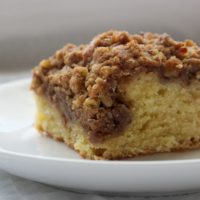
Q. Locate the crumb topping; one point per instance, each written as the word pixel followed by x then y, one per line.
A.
pixel 83 80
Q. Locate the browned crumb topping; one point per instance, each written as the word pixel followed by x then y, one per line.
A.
pixel 83 80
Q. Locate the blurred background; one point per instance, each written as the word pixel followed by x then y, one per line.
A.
pixel 34 29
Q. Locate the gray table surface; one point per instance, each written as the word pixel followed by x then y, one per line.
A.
pixel 14 188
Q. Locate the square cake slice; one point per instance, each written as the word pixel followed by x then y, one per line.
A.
pixel 122 95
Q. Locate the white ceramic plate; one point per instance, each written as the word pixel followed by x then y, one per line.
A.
pixel 26 153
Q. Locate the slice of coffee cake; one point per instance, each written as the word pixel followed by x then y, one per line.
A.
pixel 121 95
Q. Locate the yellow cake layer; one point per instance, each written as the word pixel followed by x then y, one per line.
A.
pixel 166 117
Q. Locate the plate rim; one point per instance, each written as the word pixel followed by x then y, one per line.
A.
pixel 102 162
